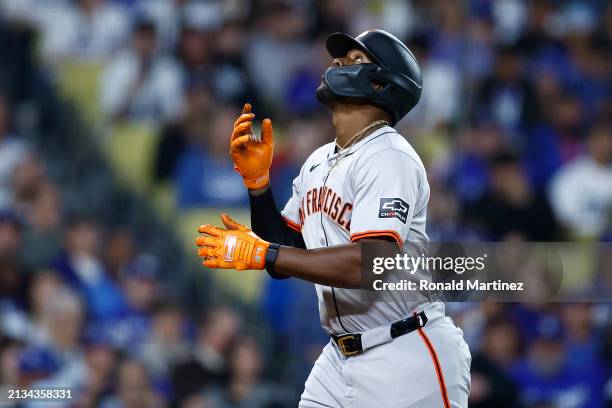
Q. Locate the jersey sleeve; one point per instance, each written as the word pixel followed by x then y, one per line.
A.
pixel 386 188
pixel 291 212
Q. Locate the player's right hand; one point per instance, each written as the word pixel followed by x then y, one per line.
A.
pixel 252 156
pixel 232 247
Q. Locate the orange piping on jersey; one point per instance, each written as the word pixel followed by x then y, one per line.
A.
pixel 439 374
pixel 293 225
pixel 381 233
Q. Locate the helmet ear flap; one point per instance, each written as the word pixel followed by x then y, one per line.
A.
pixel 368 82
pixel 377 84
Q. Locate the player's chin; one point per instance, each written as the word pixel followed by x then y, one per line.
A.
pixel 326 96
pixel 331 100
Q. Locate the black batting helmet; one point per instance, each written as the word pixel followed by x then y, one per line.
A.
pixel 394 67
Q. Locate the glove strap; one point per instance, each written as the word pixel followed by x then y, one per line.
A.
pixel 271 255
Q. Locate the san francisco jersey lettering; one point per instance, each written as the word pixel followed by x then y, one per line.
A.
pixel 378 188
pixel 327 201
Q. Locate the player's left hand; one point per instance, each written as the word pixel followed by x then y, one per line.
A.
pixel 233 247
pixel 252 156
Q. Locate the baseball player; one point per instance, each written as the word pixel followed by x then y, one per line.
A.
pixel 400 353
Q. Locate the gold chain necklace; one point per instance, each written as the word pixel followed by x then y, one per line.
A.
pixel 355 139
pixel 344 151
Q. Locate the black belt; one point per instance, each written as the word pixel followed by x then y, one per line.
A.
pixel 350 344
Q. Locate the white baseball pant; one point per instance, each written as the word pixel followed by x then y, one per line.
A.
pixel 426 368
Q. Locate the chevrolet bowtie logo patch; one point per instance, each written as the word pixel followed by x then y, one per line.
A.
pixel 393 208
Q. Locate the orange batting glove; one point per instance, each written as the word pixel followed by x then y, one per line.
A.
pixel 252 156
pixel 236 247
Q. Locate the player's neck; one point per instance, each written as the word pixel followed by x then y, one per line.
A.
pixel 349 120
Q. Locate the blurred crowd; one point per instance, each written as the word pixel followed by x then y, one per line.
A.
pixel 514 127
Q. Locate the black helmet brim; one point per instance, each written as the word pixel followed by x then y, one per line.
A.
pixel 339 44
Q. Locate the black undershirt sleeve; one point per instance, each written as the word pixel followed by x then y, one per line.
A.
pixel 268 223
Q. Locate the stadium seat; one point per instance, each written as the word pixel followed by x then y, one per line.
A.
pixel 79 82
pixel 130 149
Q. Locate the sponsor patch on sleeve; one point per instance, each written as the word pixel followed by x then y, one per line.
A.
pixel 393 208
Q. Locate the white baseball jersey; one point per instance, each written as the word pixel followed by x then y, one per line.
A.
pixel 377 189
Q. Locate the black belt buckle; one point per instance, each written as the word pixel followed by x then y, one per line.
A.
pixel 349 344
